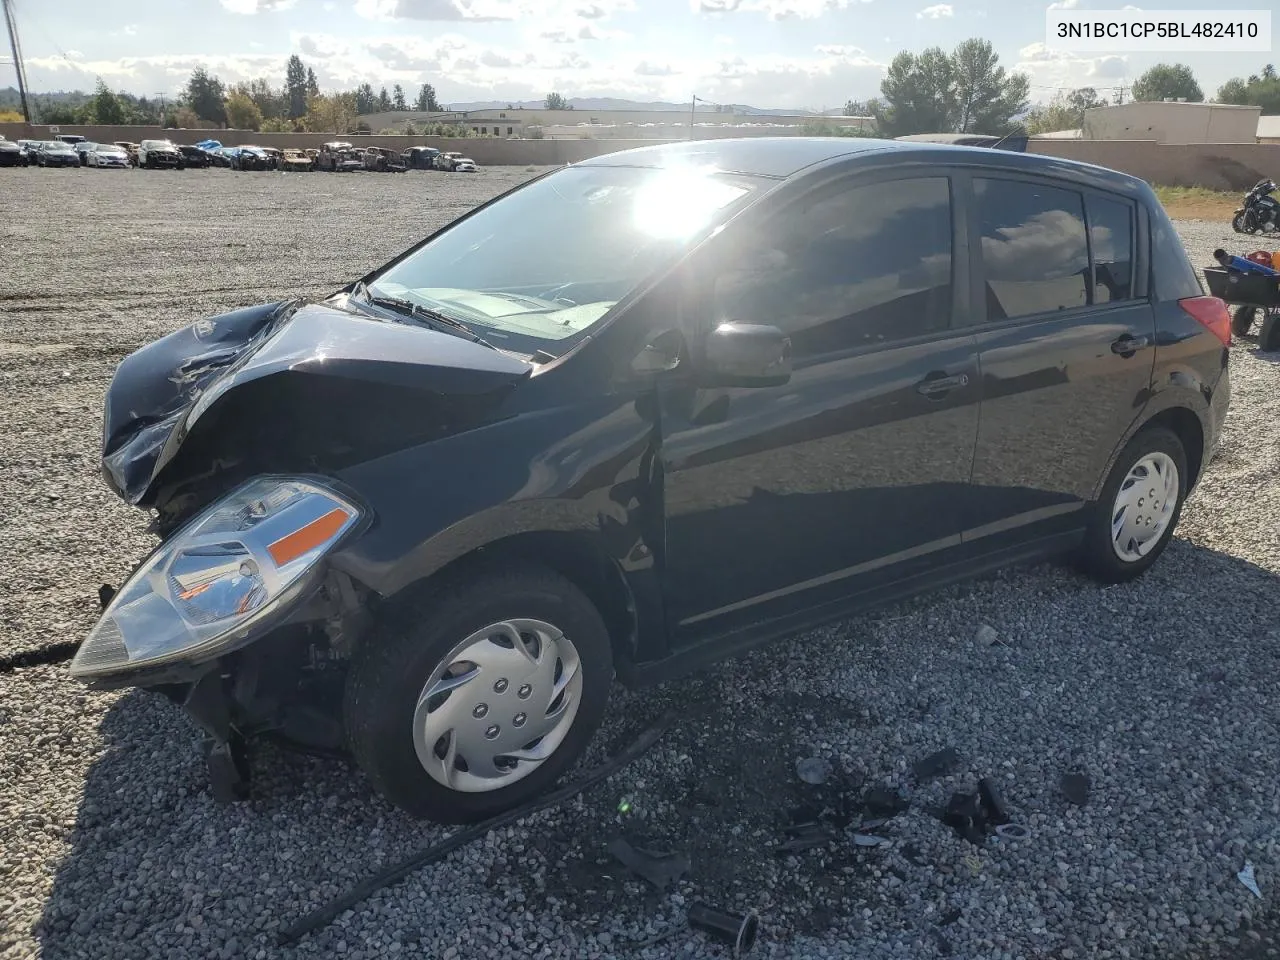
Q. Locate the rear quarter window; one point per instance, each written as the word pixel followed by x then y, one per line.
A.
pixel 1172 275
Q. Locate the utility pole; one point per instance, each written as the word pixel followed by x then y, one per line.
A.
pixel 1120 96
pixel 160 97
pixel 18 68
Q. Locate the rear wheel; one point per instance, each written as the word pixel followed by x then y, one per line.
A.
pixel 477 696
pixel 1242 320
pixel 1134 518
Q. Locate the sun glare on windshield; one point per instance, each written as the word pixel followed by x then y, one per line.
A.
pixel 677 203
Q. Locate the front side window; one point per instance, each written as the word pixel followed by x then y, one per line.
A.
pixel 1034 249
pixel 539 268
pixel 856 267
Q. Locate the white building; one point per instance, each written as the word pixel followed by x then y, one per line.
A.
pixel 1173 122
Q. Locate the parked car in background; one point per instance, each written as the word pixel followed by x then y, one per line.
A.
pixel 55 153
pixel 131 149
pixel 447 161
pixel 12 154
pixel 275 158
pixel 249 157
pixel 159 154
pixel 314 155
pixel 465 165
pixel 71 138
pixel 382 160
pixel 82 149
pixel 107 155
pixel 296 161
pixel 420 158
pixel 338 156
pixel 193 157
pixel 743 388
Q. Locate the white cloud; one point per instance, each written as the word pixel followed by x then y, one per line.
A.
pixel 250 7
pixel 773 9
pixel 574 32
pixel 455 10
pixel 938 11
pixel 1060 68
pixel 128 30
pixel 1064 4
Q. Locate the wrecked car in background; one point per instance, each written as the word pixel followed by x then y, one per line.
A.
pixel 420 158
pixel 428 519
pixel 296 161
pixel 158 154
pixel 338 156
pixel 382 160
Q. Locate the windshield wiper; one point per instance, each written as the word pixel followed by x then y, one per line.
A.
pixel 433 319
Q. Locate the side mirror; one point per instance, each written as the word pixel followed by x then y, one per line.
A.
pixel 746 355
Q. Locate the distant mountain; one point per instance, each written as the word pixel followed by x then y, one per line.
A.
pixel 615 103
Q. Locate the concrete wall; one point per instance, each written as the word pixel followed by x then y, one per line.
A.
pixel 1173 122
pixel 1218 166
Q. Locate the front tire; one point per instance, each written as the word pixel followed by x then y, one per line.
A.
pixel 1134 517
pixel 473 698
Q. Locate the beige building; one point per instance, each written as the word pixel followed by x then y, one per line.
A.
pixel 1269 129
pixel 1172 122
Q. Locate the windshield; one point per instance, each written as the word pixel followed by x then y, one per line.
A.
pixel 539 268
pixel 156 144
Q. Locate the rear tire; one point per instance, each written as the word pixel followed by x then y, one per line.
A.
pixel 422 643
pixel 1242 320
pixel 1140 498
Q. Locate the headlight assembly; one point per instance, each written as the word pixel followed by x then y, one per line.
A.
pixel 200 594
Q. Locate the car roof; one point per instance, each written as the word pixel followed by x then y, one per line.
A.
pixel 785 157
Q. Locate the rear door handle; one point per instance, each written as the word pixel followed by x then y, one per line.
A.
pixel 938 385
pixel 1128 345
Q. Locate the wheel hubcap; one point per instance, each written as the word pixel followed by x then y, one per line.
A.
pixel 498 705
pixel 1144 506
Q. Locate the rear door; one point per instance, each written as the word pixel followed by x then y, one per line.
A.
pixel 783 499
pixel 1066 336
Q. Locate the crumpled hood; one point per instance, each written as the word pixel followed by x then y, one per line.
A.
pixel 159 393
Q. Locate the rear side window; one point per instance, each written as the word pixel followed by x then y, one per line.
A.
pixel 1172 275
pixel 854 267
pixel 1111 240
pixel 1035 251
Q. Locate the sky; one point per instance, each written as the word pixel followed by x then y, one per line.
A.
pixel 812 54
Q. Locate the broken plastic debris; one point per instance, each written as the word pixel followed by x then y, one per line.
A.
pixel 814 770
pixel 1075 787
pixel 883 802
pixel 624 805
pixel 994 807
pixel 868 840
pixel 1249 879
pixel 659 869
pixel 986 635
pixel 1012 831
pixel 964 815
pixel 937 764
pixel 735 928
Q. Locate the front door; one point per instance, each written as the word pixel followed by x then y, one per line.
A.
pixel 1066 338
pixel 782 498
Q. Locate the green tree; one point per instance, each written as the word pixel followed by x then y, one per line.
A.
pixel 107 107
pixel 271 101
pixel 242 112
pixel 555 102
pixel 313 85
pixel 919 94
pixel 427 99
pixel 1259 90
pixel 397 98
pixel 857 108
pixel 384 101
pixel 1168 80
pixel 965 91
pixel 987 98
pixel 205 94
pixel 295 86
pixel 366 99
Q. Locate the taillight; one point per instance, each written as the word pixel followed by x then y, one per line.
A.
pixel 1212 315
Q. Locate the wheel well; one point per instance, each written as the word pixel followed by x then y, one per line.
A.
pixel 1187 426
pixel 575 558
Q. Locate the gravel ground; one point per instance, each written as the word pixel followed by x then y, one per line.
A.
pixel 1163 691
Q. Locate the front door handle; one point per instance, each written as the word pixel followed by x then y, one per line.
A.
pixel 1128 345
pixel 938 385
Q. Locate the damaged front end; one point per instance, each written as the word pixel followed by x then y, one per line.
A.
pixel 233 430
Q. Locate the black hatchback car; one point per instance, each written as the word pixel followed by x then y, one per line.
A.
pixel 635 415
